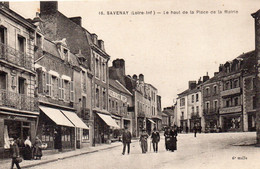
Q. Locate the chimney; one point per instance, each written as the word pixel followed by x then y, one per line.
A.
pixel 199 81
pixel 192 84
pixel 220 68
pixel 94 38
pixel 101 44
pixel 135 77
pixel 48 6
pixel 205 78
pixel 77 20
pixel 256 16
pixel 141 78
pixel 119 64
pixel 5 3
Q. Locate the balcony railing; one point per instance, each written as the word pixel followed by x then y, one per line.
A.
pixel 15 56
pixel 230 92
pixel 233 109
pixel 211 111
pixel 18 101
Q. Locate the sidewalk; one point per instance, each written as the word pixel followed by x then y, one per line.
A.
pixel 55 156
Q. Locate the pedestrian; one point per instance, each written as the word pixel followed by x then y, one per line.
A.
pixel 37 149
pixel 195 130
pixel 14 151
pixel 143 140
pixel 155 139
pixel 173 139
pixel 126 140
pixel 167 138
pixel 187 129
pixel 28 149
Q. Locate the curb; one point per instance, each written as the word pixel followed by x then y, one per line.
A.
pixel 62 158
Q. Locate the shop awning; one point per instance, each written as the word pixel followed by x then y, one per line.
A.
pixel 75 119
pixel 56 116
pixel 151 121
pixel 108 120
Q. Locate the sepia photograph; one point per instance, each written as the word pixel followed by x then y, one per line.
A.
pixel 130 84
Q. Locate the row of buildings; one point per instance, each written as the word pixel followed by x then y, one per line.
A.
pixel 228 100
pixel 55 83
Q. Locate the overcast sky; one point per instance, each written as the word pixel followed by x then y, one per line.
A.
pixel 171 49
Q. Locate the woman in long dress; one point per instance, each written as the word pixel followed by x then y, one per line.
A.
pixel 28 149
pixel 173 139
pixel 37 149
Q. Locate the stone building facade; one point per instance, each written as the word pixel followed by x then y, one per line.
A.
pixel 18 103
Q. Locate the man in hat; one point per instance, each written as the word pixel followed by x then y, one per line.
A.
pixel 14 151
pixel 143 139
pixel 126 139
pixel 155 139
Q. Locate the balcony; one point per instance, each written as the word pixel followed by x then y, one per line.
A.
pixel 213 111
pixel 230 92
pixel 18 101
pixel 14 56
pixel 195 115
pixel 233 109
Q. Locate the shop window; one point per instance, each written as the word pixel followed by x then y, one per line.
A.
pixel 66 134
pixel 85 135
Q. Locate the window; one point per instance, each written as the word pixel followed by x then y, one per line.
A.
pixel 21 44
pixel 48 85
pixel 215 89
pixel 192 99
pixel 182 102
pixel 254 83
pixel 61 89
pixel 113 104
pixel 254 102
pixel 192 110
pixel 3 83
pixel 236 101
pixel 236 83
pixel 21 86
pixel 197 97
pixel 228 103
pixel 104 99
pixel 104 71
pixel 72 91
pixel 97 68
pixel 116 106
pixel 207 91
pixel 97 96
pixel 2 35
pixel 215 105
pixel 197 109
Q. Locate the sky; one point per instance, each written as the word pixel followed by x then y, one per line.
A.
pixel 168 49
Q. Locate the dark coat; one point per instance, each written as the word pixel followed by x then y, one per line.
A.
pixel 126 138
pixel 14 150
pixel 155 137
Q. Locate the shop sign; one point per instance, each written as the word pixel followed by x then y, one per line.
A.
pixel 117 96
pixel 17 118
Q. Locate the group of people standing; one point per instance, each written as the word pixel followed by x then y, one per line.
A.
pixel 29 152
pixel 170 140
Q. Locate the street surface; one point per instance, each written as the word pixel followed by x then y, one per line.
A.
pixel 206 151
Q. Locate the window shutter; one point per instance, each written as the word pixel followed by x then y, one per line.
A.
pixel 72 91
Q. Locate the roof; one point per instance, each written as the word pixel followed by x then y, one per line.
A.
pixel 116 84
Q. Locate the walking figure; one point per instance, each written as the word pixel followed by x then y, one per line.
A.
pixel 167 138
pixel 173 139
pixel 143 140
pixel 14 150
pixel 195 130
pixel 126 139
pixel 155 139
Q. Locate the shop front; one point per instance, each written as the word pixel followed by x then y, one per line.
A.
pixel 195 122
pixel 231 122
pixel 17 126
pixel 104 125
pixel 150 124
pixel 212 124
pixel 56 129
